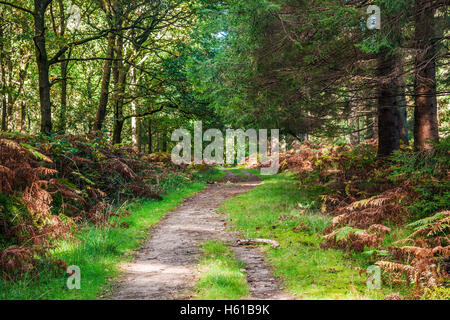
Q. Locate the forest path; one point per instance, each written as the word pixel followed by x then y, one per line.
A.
pixel 165 268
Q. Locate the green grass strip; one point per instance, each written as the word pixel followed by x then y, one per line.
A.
pixel 271 211
pixel 221 275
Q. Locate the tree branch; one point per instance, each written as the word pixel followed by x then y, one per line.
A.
pixel 142 115
pixel 17 7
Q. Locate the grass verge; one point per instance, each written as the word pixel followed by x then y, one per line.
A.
pixel 98 252
pixel 275 210
pixel 213 174
pixel 221 275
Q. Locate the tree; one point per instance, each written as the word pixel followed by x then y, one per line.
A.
pixel 426 130
pixel 388 108
pixel 43 62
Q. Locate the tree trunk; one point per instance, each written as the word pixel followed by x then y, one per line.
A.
pixel 150 136
pixel 134 133
pixel 43 65
pixel 10 109
pixel 401 99
pixel 139 134
pixel 388 117
pixel 64 64
pixel 164 140
pixel 4 101
pixel 3 84
pixel 22 77
pixel 120 73
pixel 117 131
pixel 426 130
pixel 403 120
pixel 23 114
pixel 355 137
pixel 63 111
pixel 106 79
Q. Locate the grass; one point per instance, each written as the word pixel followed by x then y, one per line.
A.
pixel 98 252
pixel 213 174
pixel 221 275
pixel 274 210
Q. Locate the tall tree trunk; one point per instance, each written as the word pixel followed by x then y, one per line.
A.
pixel 401 99
pixel 388 117
pixel 139 134
pixel 23 114
pixel 164 140
pixel 64 64
pixel 120 74
pixel 117 131
pixel 370 121
pixel 426 130
pixel 403 120
pixel 4 101
pixel 106 79
pixel 355 136
pixel 22 77
pixel 43 65
pixel 134 120
pixel 150 135
pixel 10 109
pixel 63 111
pixel 3 79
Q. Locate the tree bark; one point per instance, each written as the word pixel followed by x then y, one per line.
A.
pixel 355 137
pixel 23 114
pixel 43 65
pixel 3 84
pixel 22 77
pixel 401 99
pixel 426 130
pixel 120 73
pixel 139 134
pixel 10 104
pixel 403 115
pixel 150 136
pixel 106 79
pixel 164 140
pixel 388 114
pixel 64 64
pixel 134 133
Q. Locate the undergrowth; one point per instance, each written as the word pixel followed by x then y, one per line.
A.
pixel 393 211
pixel 52 187
pixel 280 210
pixel 97 250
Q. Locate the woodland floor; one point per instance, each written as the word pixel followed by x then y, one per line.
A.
pixel 166 266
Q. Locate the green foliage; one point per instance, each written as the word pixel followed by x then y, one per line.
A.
pixel 208 175
pixel 441 293
pixel 437 225
pixel 427 171
pixel 12 212
pixel 345 232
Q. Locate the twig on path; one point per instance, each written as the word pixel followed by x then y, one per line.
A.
pixel 244 242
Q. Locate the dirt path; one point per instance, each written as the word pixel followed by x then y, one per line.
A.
pixel 165 267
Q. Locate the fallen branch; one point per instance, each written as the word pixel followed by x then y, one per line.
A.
pixel 244 242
